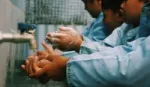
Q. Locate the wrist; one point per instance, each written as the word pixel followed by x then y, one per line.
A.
pixel 57 71
pixel 78 45
pixel 63 66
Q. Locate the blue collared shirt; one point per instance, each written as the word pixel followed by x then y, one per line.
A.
pixel 120 63
pixel 96 31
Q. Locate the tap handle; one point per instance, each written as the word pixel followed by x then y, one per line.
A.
pixel 24 27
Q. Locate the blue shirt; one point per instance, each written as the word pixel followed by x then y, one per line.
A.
pixel 96 31
pixel 120 36
pixel 117 64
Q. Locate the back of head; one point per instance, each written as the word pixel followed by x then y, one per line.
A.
pixel 112 15
pixel 114 5
pixel 88 0
pixel 146 1
pixel 93 7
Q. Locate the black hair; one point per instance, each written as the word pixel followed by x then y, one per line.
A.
pixel 146 1
pixel 88 0
pixel 114 5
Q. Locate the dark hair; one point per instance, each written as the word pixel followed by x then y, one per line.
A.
pixel 114 5
pixel 146 1
pixel 87 0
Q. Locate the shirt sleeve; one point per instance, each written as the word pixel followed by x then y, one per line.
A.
pixel 69 54
pixel 88 46
pixel 121 65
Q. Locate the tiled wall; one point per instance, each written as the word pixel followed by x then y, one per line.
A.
pixel 56 12
pixel 13 55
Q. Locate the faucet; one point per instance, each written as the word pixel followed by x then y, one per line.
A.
pixel 27 34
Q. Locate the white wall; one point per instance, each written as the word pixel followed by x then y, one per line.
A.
pixel 9 17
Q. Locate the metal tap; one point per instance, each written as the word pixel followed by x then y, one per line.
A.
pixel 27 34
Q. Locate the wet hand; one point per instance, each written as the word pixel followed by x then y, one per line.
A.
pixel 65 39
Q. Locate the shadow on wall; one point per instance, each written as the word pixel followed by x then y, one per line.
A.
pixel 19 3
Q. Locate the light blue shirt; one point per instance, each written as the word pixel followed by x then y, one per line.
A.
pixel 125 65
pixel 95 32
pixel 120 36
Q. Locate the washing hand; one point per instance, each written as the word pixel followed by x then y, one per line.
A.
pixel 54 69
pixel 65 39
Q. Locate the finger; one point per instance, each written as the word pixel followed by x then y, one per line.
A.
pixel 27 66
pixel 58 35
pixel 41 71
pixel 53 34
pixel 42 57
pixel 55 40
pixel 30 70
pixel 49 49
pixel 49 34
pixel 37 74
pixel 23 67
pixel 50 58
pixel 39 53
pixel 31 57
pixel 57 31
pixel 58 52
pixel 48 38
pixel 42 63
pixel 34 65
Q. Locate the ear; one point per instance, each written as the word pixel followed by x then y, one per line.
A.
pixel 99 1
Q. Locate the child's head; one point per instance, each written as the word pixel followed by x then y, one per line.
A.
pixel 112 15
pixel 93 7
pixel 131 10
